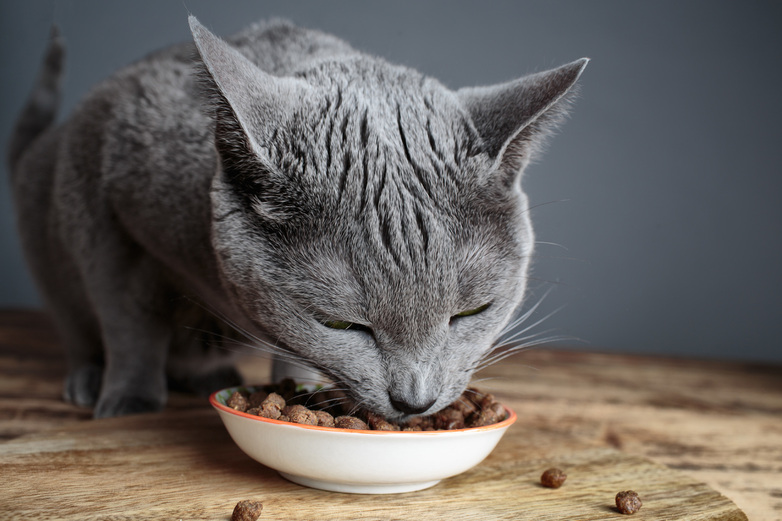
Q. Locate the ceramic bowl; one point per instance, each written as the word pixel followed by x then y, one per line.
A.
pixel 358 461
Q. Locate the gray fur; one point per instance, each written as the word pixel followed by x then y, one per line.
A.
pixel 270 184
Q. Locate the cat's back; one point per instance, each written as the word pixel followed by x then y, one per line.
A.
pixel 157 105
pixel 157 101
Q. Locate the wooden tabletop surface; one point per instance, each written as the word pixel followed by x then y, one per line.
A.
pixel 713 427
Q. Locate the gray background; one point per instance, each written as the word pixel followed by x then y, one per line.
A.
pixel 658 204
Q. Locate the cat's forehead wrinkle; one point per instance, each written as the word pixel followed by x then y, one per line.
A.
pixel 414 118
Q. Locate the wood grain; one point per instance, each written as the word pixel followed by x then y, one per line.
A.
pixel 183 465
pixel 678 431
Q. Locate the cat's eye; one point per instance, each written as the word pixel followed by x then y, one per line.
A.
pixel 341 324
pixel 471 312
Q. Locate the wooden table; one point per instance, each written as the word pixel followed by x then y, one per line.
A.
pixel 697 439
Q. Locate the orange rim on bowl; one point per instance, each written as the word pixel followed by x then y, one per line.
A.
pixel 217 404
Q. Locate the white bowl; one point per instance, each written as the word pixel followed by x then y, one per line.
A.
pixel 358 461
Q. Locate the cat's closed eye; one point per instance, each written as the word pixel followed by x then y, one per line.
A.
pixel 341 324
pixel 471 312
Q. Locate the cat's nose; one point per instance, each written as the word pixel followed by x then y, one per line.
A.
pixel 407 407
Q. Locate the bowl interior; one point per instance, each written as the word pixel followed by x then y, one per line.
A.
pixel 218 400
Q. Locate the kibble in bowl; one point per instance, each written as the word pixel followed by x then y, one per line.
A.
pixel 370 456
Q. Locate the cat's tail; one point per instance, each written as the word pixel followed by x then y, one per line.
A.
pixel 44 100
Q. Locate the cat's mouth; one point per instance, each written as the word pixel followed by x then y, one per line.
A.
pixel 399 394
pixel 357 400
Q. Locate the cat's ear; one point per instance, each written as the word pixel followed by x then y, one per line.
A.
pixel 249 103
pixel 514 118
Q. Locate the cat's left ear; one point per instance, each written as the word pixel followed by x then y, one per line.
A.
pixel 514 118
pixel 249 104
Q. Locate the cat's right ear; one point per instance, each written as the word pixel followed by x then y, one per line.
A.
pixel 249 104
pixel 514 118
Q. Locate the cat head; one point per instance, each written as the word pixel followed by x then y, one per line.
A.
pixel 370 221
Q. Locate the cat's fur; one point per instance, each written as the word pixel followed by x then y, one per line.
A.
pixel 275 183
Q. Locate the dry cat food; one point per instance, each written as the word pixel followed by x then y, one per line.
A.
pixel 628 502
pixel 553 478
pixel 327 408
pixel 247 510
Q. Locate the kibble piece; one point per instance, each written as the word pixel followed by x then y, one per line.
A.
pixel 238 402
pixel 247 510
pixel 553 478
pixel 300 414
pixel 628 502
pixel 449 419
pixel 386 426
pixel 474 395
pixel 487 400
pixel 499 410
pixel 350 422
pixel 489 413
pixel 269 410
pixel 324 419
pixel 482 418
pixel 378 423
pixel 275 399
pixel 464 405
pixel 420 423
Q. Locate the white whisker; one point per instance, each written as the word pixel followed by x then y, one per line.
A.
pixel 513 338
pixel 518 321
pixel 254 343
pixel 504 351
pixel 545 243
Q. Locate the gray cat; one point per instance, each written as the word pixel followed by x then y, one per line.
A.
pixel 347 214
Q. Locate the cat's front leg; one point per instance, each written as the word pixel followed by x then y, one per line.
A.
pixel 135 308
pixel 134 378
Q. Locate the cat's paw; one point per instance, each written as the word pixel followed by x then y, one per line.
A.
pixel 204 384
pixel 120 405
pixel 82 385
